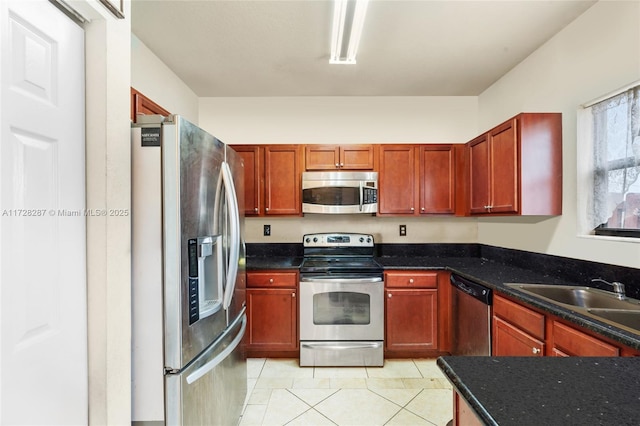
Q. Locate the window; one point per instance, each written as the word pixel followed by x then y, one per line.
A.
pixel 614 205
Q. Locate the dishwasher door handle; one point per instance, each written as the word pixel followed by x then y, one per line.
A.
pixel 474 290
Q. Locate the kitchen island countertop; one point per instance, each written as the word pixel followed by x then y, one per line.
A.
pixel 547 390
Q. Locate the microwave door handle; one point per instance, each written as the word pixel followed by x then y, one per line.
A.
pixel 361 196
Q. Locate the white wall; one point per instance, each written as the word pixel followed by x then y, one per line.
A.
pixel 596 54
pixel 108 168
pixel 150 76
pixel 345 120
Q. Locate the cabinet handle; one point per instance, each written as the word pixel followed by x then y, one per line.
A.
pixel 389 295
pixel 293 295
pixel 341 164
pixel 266 209
pixel 337 166
pixel 422 209
pixel 410 280
pixel 271 280
pixel 255 209
pixel 536 350
pixel 412 209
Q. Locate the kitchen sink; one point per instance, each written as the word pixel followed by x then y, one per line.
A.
pixel 576 296
pixel 599 304
pixel 630 319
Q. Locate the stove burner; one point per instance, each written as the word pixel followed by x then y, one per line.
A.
pixel 339 254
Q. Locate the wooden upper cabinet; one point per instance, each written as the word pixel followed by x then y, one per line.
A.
pixel 437 179
pixel 252 155
pixel 397 180
pixel 336 157
pixel 417 179
pixel 272 175
pixel 282 180
pixel 140 104
pixel 516 168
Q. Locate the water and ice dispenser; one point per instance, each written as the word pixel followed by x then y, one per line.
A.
pixel 205 277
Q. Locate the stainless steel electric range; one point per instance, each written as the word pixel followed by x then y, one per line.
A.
pixel 341 301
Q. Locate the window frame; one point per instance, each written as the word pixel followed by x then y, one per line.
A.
pixel 586 170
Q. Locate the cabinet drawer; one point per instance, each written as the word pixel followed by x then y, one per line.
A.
pixel 520 316
pixel 569 341
pixel 411 279
pixel 272 279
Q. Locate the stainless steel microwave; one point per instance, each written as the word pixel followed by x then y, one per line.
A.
pixel 340 192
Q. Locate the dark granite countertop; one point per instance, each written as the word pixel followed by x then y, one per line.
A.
pixel 276 262
pixel 547 390
pixel 491 273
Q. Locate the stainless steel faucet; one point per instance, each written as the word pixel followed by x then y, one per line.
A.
pixel 618 288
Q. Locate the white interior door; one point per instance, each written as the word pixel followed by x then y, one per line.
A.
pixel 43 319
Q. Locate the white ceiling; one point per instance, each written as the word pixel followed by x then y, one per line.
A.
pixel 408 48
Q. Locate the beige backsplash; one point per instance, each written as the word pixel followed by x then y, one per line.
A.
pixel 432 229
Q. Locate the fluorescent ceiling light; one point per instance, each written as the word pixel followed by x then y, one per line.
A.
pixel 348 20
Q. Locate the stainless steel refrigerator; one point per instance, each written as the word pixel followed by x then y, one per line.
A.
pixel 188 295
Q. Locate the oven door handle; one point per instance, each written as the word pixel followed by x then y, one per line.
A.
pixel 333 346
pixel 341 280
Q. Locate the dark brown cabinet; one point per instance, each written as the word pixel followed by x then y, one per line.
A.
pixel 522 331
pixel 463 414
pixel 516 168
pixel 272 311
pixel 140 104
pixel 414 324
pixel 338 157
pixel 417 179
pixel 272 179
pixel 252 156
pixel 568 341
pixel 517 330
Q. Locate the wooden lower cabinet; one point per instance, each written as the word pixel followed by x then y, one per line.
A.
pixel 272 311
pixel 463 415
pixel 412 320
pixel 417 313
pixel 568 341
pixel 509 340
pixel 519 330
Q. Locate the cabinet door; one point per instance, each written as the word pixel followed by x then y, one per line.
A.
pixel 356 157
pixel 503 145
pixel 251 155
pixel 437 179
pixel 479 175
pixel 334 157
pixel 567 341
pixel 411 279
pixel 140 104
pixel 322 157
pixel 463 414
pixel 411 320
pixel 272 319
pixel 509 340
pixel 270 279
pixel 282 180
pixel 397 180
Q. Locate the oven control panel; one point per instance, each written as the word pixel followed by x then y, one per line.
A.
pixel 338 240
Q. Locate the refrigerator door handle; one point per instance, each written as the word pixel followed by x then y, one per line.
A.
pixel 234 223
pixel 225 353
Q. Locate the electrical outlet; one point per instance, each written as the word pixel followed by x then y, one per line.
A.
pixel 403 230
pixel 267 230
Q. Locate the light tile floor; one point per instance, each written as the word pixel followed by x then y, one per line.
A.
pixel 403 392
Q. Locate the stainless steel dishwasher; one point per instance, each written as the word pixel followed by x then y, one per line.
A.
pixel 471 317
